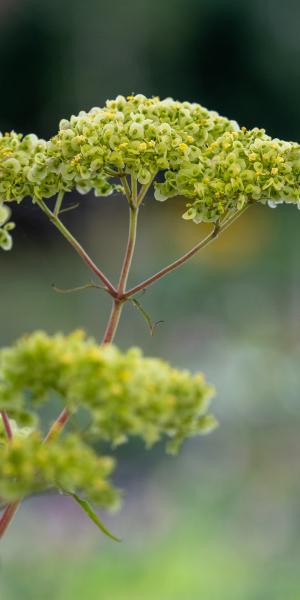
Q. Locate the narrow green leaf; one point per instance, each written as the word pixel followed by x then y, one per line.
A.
pixel 85 505
pixel 78 288
pixel 152 326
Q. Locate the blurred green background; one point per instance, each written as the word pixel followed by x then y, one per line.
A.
pixel 222 520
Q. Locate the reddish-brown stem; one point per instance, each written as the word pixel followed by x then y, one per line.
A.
pixel 116 310
pixel 113 322
pixel 77 246
pixel 7 516
pixel 12 508
pixel 7 425
pixel 58 425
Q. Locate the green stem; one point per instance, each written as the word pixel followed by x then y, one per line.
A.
pixel 58 203
pixel 127 190
pixel 143 191
pixel 133 217
pixel 77 246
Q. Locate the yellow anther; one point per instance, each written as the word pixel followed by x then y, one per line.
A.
pixel 189 139
pixel 143 146
pixel 183 147
pixel 274 171
pixel 75 160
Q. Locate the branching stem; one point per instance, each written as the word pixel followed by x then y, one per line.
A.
pixel 218 228
pixel 120 295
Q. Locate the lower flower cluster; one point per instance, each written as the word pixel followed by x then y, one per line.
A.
pixel 124 394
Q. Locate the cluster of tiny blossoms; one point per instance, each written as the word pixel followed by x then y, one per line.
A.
pixel 28 466
pixel 139 136
pixel 125 394
pixel 23 167
pixel 237 168
pixel 135 136
pixel 204 157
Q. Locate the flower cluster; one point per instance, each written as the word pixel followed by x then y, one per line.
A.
pixel 204 157
pixel 237 168
pixel 28 466
pixel 124 393
pixel 137 136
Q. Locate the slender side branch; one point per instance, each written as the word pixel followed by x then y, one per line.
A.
pixel 7 516
pixel 77 246
pixel 174 265
pixel 143 191
pixel 58 425
pixel 11 509
pixel 7 425
pixel 127 190
pixel 58 203
pixel 218 228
